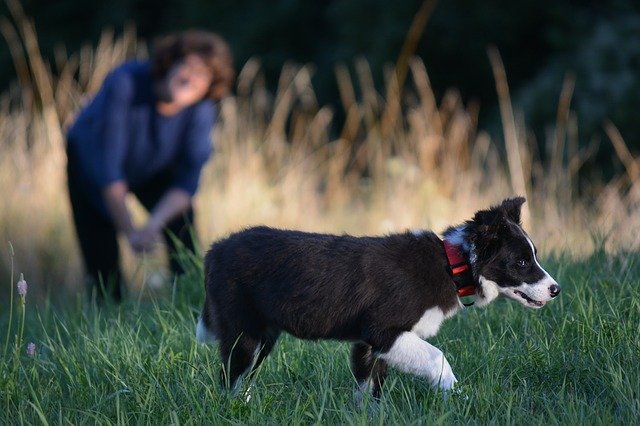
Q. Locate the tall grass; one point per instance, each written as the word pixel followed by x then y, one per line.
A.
pixel 402 159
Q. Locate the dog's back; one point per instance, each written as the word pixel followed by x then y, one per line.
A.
pixel 310 285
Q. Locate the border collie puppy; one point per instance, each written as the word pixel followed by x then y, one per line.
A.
pixel 383 294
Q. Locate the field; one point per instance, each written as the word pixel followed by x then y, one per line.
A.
pixel 402 159
pixel 573 362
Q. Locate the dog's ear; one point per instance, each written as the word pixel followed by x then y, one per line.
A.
pixel 485 229
pixel 485 239
pixel 491 218
pixel 487 226
pixel 512 208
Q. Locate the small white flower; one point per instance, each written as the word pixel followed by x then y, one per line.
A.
pixel 22 287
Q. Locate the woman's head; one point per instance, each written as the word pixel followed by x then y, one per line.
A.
pixel 193 65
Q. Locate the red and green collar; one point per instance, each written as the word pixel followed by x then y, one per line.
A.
pixel 460 269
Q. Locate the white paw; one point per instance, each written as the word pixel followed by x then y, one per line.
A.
pixel 446 379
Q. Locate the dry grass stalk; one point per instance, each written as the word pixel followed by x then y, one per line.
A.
pixel 512 142
pixel 631 165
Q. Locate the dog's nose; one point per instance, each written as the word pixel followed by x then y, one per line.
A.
pixel 554 290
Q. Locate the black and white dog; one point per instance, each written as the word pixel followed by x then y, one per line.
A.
pixel 384 294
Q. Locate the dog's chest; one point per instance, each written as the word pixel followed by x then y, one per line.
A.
pixel 429 323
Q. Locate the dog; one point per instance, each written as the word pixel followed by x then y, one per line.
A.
pixel 384 294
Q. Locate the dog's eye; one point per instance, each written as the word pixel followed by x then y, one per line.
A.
pixel 522 263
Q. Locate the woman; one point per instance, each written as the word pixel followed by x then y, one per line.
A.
pixel 147 131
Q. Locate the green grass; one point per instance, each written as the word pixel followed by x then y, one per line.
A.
pixel 573 362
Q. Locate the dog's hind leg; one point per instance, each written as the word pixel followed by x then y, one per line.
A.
pixel 237 357
pixel 267 342
pixel 244 355
pixel 368 370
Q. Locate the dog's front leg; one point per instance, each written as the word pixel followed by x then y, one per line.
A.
pixel 411 354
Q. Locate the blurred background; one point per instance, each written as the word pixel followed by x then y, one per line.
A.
pixel 356 116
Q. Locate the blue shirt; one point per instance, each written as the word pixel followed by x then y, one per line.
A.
pixel 119 135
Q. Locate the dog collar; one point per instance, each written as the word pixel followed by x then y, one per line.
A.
pixel 459 266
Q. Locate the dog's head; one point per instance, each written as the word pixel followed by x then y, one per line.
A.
pixel 503 257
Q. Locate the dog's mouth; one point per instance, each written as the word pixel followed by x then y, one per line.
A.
pixel 529 301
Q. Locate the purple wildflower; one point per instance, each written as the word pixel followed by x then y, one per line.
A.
pixel 31 349
pixel 22 287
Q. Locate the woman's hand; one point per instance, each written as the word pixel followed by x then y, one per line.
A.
pixel 172 204
pixel 143 239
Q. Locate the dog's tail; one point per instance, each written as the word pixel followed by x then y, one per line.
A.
pixel 207 330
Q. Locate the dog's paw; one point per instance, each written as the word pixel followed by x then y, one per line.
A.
pixel 363 397
pixel 361 393
pixel 446 380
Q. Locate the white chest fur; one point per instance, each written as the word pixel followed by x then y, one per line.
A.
pixel 430 322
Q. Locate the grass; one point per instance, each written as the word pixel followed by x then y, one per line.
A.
pixel 573 362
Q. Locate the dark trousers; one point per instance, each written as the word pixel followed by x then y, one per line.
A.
pixel 98 237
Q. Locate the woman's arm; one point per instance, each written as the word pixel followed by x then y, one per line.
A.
pixel 118 89
pixel 114 196
pixel 173 203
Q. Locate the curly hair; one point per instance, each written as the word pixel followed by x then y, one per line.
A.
pixel 213 50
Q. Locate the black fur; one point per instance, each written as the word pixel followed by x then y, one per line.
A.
pixel 370 289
